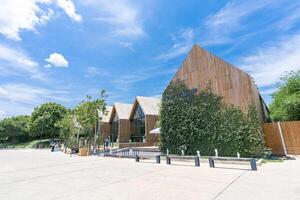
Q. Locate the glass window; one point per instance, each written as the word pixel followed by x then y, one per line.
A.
pixel 138 125
pixel 115 128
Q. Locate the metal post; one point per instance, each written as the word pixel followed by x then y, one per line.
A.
pixel 168 160
pixel 211 162
pixel 216 153
pixel 253 164
pixel 158 159
pixel 197 161
pixel 281 137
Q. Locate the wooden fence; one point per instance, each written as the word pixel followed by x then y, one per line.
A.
pixel 283 137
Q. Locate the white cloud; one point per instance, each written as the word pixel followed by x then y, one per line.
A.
pixel 183 42
pixel 15 61
pixel 17 15
pixel 218 28
pixel 291 17
pixel 2 114
pixel 268 91
pixel 56 60
pixel 269 62
pixel 22 98
pixel 124 18
pixel 23 93
pixel 94 71
pixel 69 8
pixel 127 45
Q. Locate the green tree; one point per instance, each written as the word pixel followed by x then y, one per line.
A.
pixel 15 129
pixel 88 115
pixel 193 120
pixel 286 101
pixel 68 131
pixel 45 120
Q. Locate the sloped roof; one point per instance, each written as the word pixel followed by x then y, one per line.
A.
pixel 149 105
pixel 105 117
pixel 122 109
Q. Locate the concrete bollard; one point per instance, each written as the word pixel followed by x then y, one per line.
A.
pixel 168 160
pixel 197 161
pixel 158 159
pixel 238 155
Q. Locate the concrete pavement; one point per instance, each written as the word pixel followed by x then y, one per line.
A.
pixel 42 175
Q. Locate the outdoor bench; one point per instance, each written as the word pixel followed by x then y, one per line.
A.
pixel 252 161
pixel 168 159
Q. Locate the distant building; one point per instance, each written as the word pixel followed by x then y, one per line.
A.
pixel 119 122
pixel 143 118
pixel 104 124
pixel 130 124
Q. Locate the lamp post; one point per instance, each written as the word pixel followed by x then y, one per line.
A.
pixel 42 132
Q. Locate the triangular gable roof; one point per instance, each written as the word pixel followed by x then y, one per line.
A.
pixel 122 110
pixel 105 117
pixel 149 105
pixel 202 68
pixel 198 52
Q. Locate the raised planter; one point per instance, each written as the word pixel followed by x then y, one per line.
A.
pixel 83 151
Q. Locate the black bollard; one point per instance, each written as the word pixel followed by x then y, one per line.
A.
pixel 137 159
pixel 253 164
pixel 211 162
pixel 197 161
pixel 168 160
pixel 158 159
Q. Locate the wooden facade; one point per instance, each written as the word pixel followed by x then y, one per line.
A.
pixel 202 69
pixel 104 123
pixel 105 130
pixel 150 107
pixel 122 111
pixel 150 123
pixel 290 140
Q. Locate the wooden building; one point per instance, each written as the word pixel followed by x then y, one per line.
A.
pixel 104 123
pixel 143 118
pixel 201 68
pixel 119 122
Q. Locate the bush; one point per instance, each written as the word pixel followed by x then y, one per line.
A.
pixel 192 121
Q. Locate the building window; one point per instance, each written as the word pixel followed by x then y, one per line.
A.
pixel 138 125
pixel 115 128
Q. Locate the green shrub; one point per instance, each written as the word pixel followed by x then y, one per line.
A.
pixel 192 121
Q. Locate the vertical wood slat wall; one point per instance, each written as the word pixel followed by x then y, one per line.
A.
pixel 291 136
pixel 150 122
pixel 105 130
pixel 202 68
pixel 124 130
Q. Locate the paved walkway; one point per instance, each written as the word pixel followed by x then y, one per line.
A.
pixel 42 175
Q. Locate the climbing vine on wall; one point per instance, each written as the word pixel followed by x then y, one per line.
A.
pixel 194 120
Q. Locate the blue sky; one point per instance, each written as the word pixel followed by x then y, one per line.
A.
pixel 62 50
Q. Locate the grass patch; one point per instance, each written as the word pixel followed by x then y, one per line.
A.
pixel 264 161
pixel 45 143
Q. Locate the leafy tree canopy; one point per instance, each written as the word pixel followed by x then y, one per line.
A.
pixel 45 119
pixel 88 114
pixel 286 101
pixel 15 128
